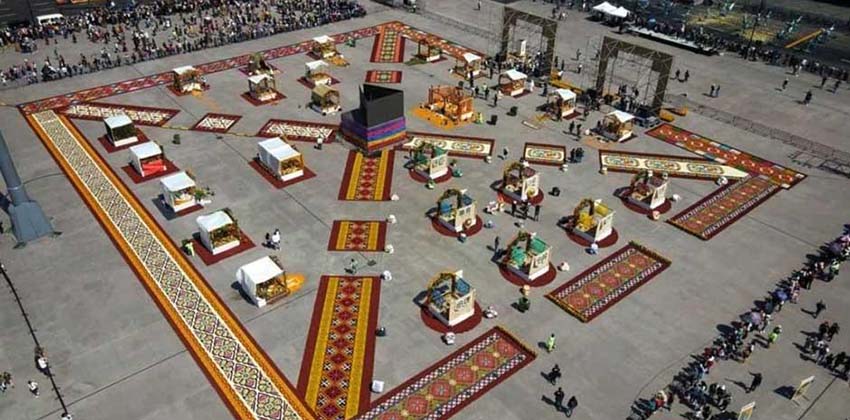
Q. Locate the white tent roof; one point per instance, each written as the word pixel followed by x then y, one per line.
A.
pixel 604 7
pixel 116 121
pixel 324 39
pixel 146 150
pixel 622 116
pixel 258 78
pixel 177 182
pixel 278 148
pixel 620 12
pixel 313 65
pixel 515 74
pixel 565 94
pixel 213 221
pixel 259 271
pixel 183 70
pixel 470 57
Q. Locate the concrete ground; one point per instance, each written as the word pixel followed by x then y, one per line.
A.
pixel 115 356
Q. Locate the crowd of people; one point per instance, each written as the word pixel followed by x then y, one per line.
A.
pixel 158 29
pixel 752 330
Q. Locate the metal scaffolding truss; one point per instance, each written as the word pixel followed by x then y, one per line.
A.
pixel 548 30
pixel 642 69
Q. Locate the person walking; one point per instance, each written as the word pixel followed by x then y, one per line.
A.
pixel 757 378
pixel 836 86
pixel 352 266
pixel 572 126
pixel 833 330
pixel 276 239
pixel 496 246
pixel 33 386
pixel 823 81
pixel 559 399
pixel 808 99
pixel 554 374
pixel 784 84
pixel 571 405
pixel 505 152
pixel 687 75
pixel 478 6
pixel 717 91
pixel 711 90
pixel 819 307
pixel 550 343
pixel 773 337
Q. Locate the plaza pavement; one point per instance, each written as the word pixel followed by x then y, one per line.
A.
pixel 115 356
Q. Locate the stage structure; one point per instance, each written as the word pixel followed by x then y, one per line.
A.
pixel 515 34
pixel 651 67
pixel 379 120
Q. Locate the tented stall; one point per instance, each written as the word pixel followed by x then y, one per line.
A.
pixel 512 82
pixel 325 99
pixel 187 79
pixel 468 63
pixel 218 231
pixel 265 281
pixel 562 102
pixel 324 47
pixel 262 87
pixel 178 191
pixel 147 159
pixel 317 72
pixel 280 158
pixel 617 126
pixel 120 130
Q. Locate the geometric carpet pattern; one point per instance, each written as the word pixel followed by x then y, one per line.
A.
pixel 461 146
pixel 358 235
pixel 388 46
pixel 243 375
pixel 709 216
pixel 140 115
pixel 447 386
pixel 367 178
pixel 298 130
pixel 383 76
pixel 545 154
pixel 727 155
pixel 216 123
pixel 600 287
pixel 674 166
pixel 336 370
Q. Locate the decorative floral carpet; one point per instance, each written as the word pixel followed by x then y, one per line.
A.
pixel 674 166
pixel 725 206
pixel 245 377
pixel 358 235
pixel 383 76
pixel 299 130
pixel 388 46
pixel 140 115
pixel 600 287
pixel 367 178
pixel 447 386
pixel 545 154
pixel 339 357
pixel 216 123
pixel 460 146
pixel 727 155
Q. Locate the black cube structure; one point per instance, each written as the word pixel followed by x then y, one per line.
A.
pixel 378 122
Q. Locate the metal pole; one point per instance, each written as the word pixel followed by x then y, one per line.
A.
pixel 32 333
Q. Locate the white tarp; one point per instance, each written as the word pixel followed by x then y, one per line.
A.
pixel 515 75
pixel 274 151
pixel 470 57
pixel 565 94
pixel 145 150
pixel 259 271
pixel 177 182
pixel 604 7
pixel 117 121
pixel 620 12
pixel 622 116
pixel 213 221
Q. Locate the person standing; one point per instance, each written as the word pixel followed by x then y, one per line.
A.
pixel 554 374
pixel 571 405
pixel 717 91
pixel 276 239
pixel 836 86
pixel 550 343
pixel 678 73
pixel 808 99
pixel 819 307
pixel 711 90
pixel 496 247
pixel 823 81
pixel 773 337
pixel 687 75
pixel 833 330
pixel 33 386
pixel 572 126
pixel 478 6
pixel 559 399
pixel 505 152
pixel 757 378
pixel 784 84
pixel 352 266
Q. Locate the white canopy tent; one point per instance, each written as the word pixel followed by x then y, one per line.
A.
pixel 120 130
pixel 177 190
pixel 141 154
pixel 565 94
pixel 470 57
pixel 274 152
pixel 256 273
pixel 210 223
pixel 515 75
